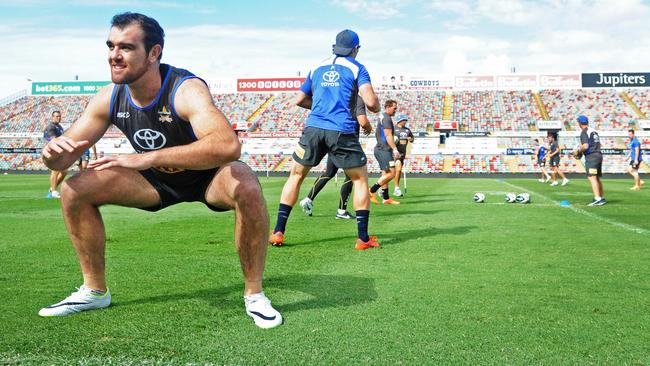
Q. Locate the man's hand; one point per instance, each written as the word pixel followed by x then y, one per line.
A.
pixel 131 161
pixel 395 154
pixel 62 146
pixel 367 129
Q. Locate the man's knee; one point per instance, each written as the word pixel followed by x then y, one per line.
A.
pixel 72 192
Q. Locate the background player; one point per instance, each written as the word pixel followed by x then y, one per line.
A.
pixel 553 158
pixel 186 151
pixel 540 157
pixel 404 137
pixel 590 147
pixel 54 130
pixel 85 158
pixel 330 91
pixel 307 204
pixel 636 157
pixel 386 153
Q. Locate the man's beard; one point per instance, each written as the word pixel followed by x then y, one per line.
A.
pixel 129 77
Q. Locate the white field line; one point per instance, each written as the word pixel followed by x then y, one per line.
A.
pixel 592 215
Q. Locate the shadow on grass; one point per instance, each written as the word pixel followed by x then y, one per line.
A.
pixel 395 236
pixel 382 213
pixel 325 291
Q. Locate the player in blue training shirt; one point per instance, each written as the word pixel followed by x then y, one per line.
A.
pixel 540 157
pixel 330 92
pixel 636 157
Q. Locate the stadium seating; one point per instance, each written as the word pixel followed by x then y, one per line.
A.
pixel 605 108
pixel 641 97
pixel 494 110
pixel 486 111
pixel 239 107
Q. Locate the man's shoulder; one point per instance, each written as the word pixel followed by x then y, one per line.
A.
pixel 354 61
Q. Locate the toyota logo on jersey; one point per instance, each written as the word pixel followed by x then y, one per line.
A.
pixel 330 78
pixel 149 139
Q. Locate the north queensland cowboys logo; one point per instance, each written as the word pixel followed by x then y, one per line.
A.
pixel 149 139
pixel 330 78
pixel 164 115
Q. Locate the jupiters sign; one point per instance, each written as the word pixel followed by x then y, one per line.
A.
pixel 616 80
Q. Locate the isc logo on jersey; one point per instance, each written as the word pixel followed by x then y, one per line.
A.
pixel 330 78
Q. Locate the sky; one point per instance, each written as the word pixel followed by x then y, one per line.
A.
pixel 64 39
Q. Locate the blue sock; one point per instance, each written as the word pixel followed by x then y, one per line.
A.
pixel 362 224
pixel 283 216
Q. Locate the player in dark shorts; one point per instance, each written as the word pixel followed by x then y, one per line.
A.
pixel 386 153
pixel 330 92
pixel 85 158
pixel 553 157
pixel 404 137
pixel 636 157
pixel 540 158
pixel 186 151
pixel 307 204
pixel 52 131
pixel 590 148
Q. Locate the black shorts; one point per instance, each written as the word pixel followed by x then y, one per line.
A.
pixel 385 159
pixel 555 162
pixel 542 162
pixel 173 194
pixel 635 164
pixel 594 165
pixel 344 149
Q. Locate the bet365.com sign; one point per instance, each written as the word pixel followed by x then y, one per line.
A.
pixel 67 87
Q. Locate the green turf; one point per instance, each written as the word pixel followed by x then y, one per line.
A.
pixel 455 283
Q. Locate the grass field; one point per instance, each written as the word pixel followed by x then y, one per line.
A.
pixel 455 283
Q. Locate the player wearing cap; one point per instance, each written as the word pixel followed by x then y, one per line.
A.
pixel 403 135
pixel 386 153
pixel 553 157
pixel 330 91
pixel 636 157
pixel 307 204
pixel 590 147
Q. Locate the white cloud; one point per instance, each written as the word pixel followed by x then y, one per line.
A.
pixel 373 9
pixel 557 36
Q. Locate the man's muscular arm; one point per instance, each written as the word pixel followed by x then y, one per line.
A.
pixel 216 144
pixel 61 152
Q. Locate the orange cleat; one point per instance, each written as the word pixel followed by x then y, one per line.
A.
pixel 371 243
pixel 373 198
pixel 390 201
pixel 277 239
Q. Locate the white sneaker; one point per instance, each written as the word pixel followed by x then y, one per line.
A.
pixel 342 214
pixel 81 300
pixel 541 180
pixel 554 184
pixel 259 308
pixel 397 192
pixel 307 205
pixel 56 194
pixel 548 177
pixel 565 182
